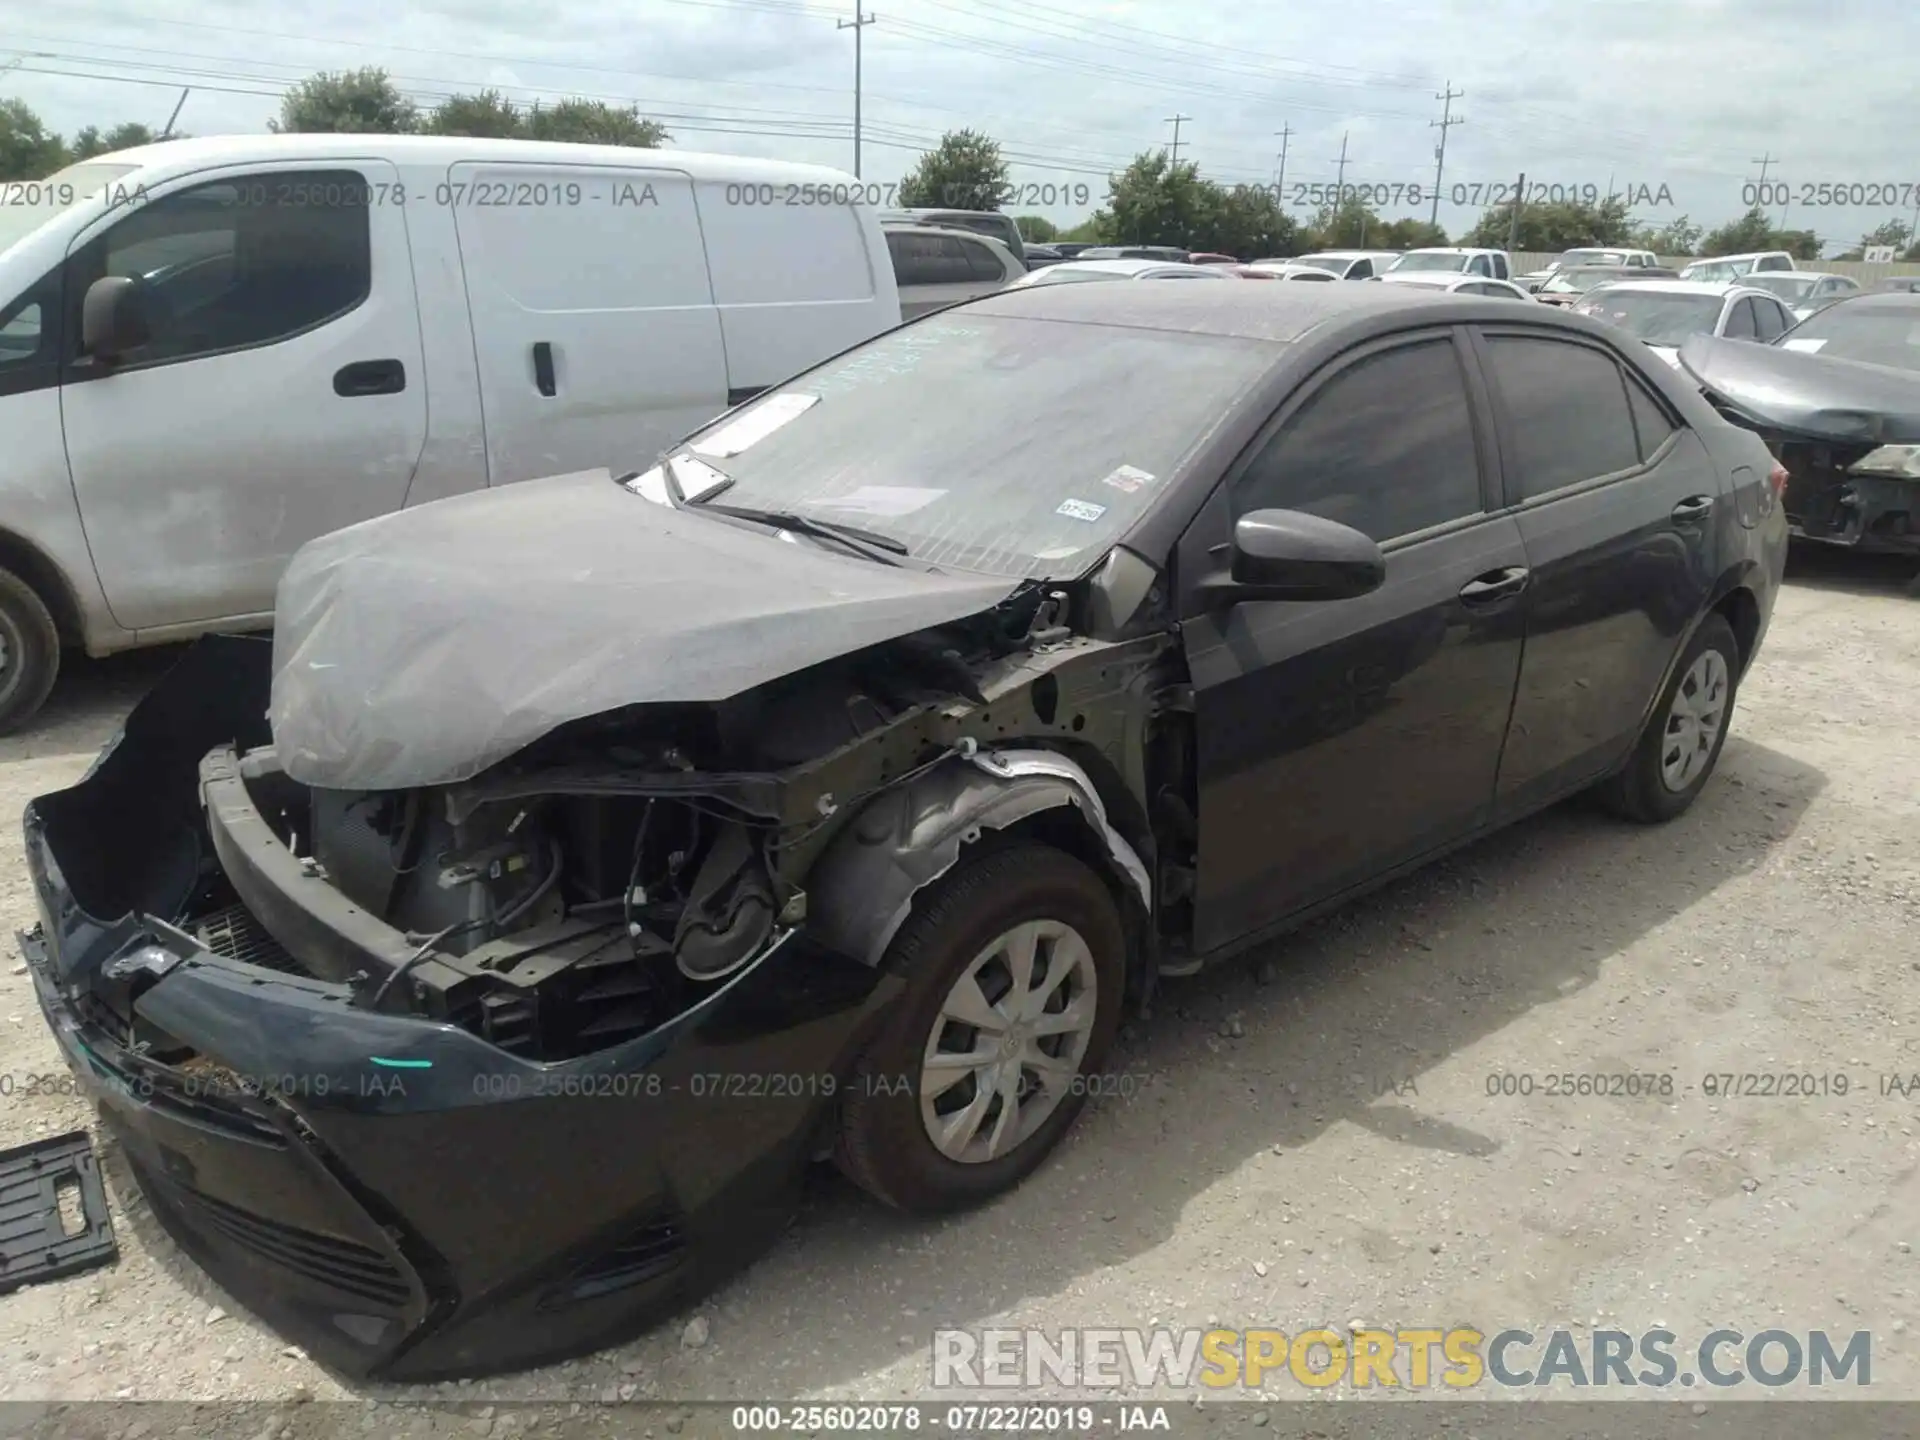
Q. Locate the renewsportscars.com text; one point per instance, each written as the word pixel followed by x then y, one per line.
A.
pixel 1412 1357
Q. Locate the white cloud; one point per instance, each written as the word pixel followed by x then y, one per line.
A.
pixel 1687 94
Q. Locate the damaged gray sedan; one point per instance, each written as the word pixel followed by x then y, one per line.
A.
pixel 470 974
pixel 1837 398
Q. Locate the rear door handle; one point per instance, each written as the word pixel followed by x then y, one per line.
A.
pixel 370 377
pixel 1494 587
pixel 543 367
pixel 1693 508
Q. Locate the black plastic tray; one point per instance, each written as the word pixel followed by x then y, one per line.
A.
pixel 34 1244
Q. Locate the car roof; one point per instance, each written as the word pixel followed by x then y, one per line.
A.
pixel 1453 250
pixel 1126 266
pixel 1743 255
pixel 894 227
pixel 209 150
pixel 1795 275
pixel 1278 313
pixel 1880 302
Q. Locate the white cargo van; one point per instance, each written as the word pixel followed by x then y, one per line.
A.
pixel 213 350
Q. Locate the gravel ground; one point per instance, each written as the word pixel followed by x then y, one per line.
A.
pixel 1313 1141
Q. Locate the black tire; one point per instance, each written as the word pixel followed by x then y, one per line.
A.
pixel 883 1144
pixel 31 656
pixel 1636 791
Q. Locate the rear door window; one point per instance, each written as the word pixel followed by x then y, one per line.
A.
pixel 1740 322
pixel 1567 412
pixel 981 262
pixel 1770 319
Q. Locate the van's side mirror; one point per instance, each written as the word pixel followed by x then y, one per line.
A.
pixel 1287 555
pixel 113 318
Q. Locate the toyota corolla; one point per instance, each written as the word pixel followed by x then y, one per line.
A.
pixel 471 972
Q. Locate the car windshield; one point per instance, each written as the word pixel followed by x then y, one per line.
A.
pixel 26 205
pixel 1592 257
pixel 1578 282
pixel 1011 446
pixel 1787 287
pixel 1325 262
pixel 1717 270
pixel 1430 261
pixel 1655 318
pixel 1854 331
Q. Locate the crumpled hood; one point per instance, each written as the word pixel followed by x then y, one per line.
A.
pixel 425 646
pixel 1805 394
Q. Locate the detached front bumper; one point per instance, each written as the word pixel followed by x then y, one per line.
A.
pixel 401 1198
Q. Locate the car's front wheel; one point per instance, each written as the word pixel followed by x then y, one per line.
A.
pixel 1014 964
pixel 1681 744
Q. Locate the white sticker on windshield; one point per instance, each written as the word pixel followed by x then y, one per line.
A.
pixel 888 502
pixel 652 484
pixel 1128 479
pixel 1059 552
pixel 696 478
pixel 1080 510
pixel 754 426
pixel 1807 345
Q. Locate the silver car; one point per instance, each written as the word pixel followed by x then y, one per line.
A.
pixel 1805 291
pixel 935 266
pixel 1663 313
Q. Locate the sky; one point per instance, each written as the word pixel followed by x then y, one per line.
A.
pixel 1675 103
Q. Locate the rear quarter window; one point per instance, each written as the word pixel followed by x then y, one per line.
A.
pixel 761 255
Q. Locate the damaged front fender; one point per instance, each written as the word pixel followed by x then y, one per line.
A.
pixel 864 886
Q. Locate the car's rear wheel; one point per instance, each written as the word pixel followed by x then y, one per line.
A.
pixel 29 652
pixel 1681 744
pixel 1014 963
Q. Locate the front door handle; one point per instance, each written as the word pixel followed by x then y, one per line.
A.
pixel 1693 509
pixel 1494 587
pixel 370 377
pixel 543 366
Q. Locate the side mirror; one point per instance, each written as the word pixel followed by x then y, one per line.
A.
pixel 113 318
pixel 1287 555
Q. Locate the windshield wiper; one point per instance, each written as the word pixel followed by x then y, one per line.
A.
pixel 865 543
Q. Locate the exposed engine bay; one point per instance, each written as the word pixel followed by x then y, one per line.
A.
pixel 615 872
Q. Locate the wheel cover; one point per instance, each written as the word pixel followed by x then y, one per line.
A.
pixel 1694 719
pixel 1006 1047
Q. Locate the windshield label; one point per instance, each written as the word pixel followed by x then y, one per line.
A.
pixel 886 502
pixel 1080 510
pixel 1809 346
pixel 754 426
pixel 1128 480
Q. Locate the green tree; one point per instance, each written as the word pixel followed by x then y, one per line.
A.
pixel 1157 202
pixel 1676 238
pixel 486 115
pixel 1090 231
pixel 965 171
pixel 1409 233
pixel 1897 233
pixel 1750 232
pixel 1037 228
pixel 1350 225
pixel 28 150
pixel 593 122
pixel 1245 221
pixel 352 102
pixel 1559 226
pixel 90 142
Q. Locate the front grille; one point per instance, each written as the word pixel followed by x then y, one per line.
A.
pixel 340 1265
pixel 234 934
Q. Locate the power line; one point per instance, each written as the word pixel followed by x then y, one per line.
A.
pixel 1446 122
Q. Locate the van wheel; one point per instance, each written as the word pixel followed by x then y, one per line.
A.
pixel 29 652
pixel 1681 744
pixel 1014 963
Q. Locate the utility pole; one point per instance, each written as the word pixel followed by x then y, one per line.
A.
pixel 164 134
pixel 1445 123
pixel 1340 181
pixel 1176 121
pixel 857 24
pixel 1280 175
pixel 1513 221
